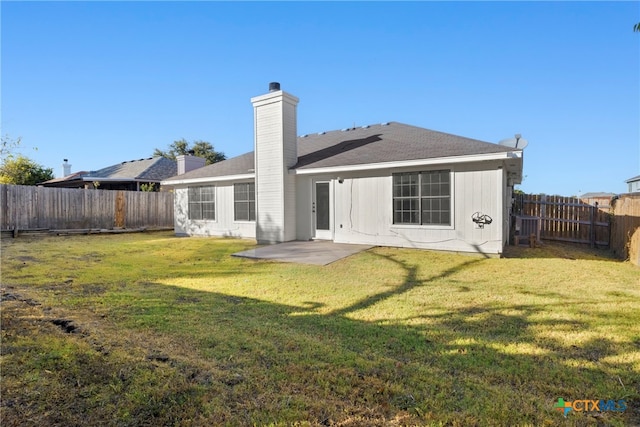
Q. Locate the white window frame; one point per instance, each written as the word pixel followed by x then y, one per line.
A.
pixel 199 203
pixel 249 202
pixel 419 197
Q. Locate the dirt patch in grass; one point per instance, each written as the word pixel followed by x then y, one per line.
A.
pixel 74 368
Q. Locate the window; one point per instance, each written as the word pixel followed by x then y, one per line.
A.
pixel 422 198
pixel 202 203
pixel 244 196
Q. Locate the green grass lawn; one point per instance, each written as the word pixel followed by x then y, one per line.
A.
pixel 150 329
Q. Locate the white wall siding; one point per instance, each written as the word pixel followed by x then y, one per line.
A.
pixel 224 224
pixel 304 219
pixel 276 152
pixel 269 176
pixel 364 212
pixel 477 191
pixel 290 156
pixel 507 196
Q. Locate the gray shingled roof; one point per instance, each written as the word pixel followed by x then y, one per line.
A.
pixel 152 169
pixel 238 165
pixel 149 170
pixel 365 145
pixel 385 143
pixel 76 176
pixel 595 195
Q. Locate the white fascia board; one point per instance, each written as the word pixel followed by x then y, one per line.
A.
pixel 209 179
pixel 410 163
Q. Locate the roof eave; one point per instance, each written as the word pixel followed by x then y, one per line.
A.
pixel 207 179
pixel 409 163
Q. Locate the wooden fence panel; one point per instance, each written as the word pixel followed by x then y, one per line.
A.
pixel 145 209
pixel 566 218
pixel 30 208
pixel 625 232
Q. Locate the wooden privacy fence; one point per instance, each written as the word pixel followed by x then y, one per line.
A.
pixel 625 230
pixel 565 218
pixel 41 208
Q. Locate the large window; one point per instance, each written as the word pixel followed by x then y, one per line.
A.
pixel 244 197
pixel 422 198
pixel 202 203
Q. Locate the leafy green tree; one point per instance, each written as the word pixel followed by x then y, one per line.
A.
pixel 150 187
pixel 199 148
pixel 636 27
pixel 21 170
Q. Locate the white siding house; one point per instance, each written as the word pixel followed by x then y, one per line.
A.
pixel 389 184
pixel 633 184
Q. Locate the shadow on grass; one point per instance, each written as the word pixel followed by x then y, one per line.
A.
pixel 470 366
pixel 410 282
pixel 569 251
pixel 245 361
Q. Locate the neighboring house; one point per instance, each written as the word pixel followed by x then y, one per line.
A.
pixel 601 200
pixel 634 184
pixel 389 184
pixel 126 175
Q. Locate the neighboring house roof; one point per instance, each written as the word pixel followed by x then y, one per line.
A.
pixel 596 195
pixel 380 143
pixel 76 176
pixel 153 169
pixel 635 178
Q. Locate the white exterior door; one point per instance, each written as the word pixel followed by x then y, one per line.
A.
pixel 322 210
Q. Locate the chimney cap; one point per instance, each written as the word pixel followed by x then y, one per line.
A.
pixel 274 87
pixel 66 160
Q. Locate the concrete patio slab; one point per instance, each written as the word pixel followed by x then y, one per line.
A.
pixel 317 252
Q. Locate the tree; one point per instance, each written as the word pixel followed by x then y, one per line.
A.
pixel 198 148
pixel 150 187
pixel 636 27
pixel 8 146
pixel 21 170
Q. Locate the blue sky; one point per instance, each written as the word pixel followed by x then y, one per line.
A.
pixel 104 82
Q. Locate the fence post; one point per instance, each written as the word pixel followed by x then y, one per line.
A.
pixel 120 210
pixel 592 230
pixel 544 224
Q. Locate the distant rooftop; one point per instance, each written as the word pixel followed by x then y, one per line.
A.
pixel 153 169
